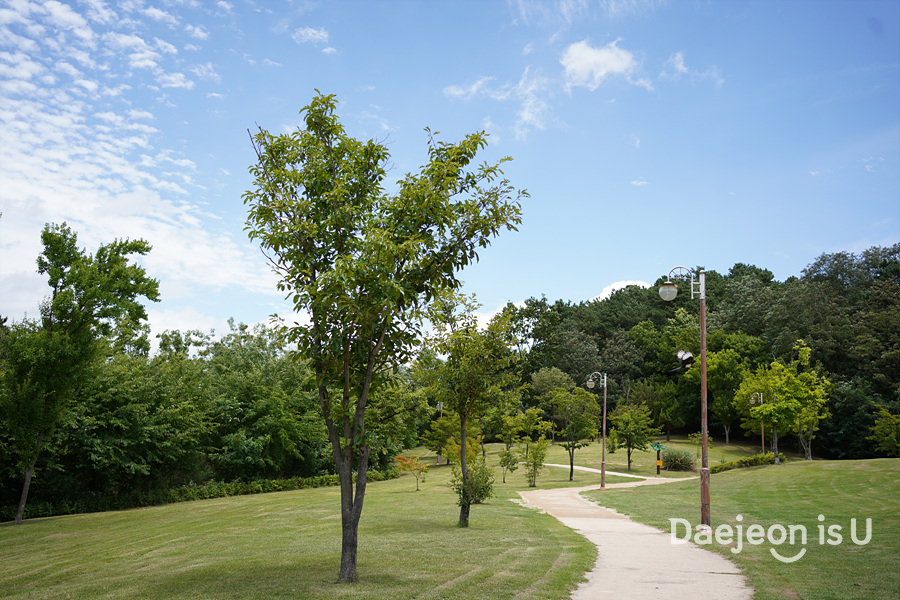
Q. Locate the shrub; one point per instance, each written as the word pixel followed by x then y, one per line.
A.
pixel 678 459
pixel 612 440
pixel 479 483
pixel 747 461
pixel 210 489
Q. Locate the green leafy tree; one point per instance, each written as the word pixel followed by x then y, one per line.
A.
pixel 665 407
pixel 886 433
pixel 263 404
pixel 472 377
pixel 509 461
pixel 534 462
pixel 634 429
pixel 794 397
pixel 365 266
pixel 725 371
pixel 576 415
pixel 93 298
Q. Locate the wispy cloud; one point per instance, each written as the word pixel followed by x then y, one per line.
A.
pixel 530 92
pixel 308 35
pixel 675 69
pixel 465 92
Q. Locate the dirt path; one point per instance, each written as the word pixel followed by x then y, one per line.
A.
pixel 636 561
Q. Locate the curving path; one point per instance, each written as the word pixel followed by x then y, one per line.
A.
pixel 636 561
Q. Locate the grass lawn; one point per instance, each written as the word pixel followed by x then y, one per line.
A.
pixel 287 545
pixel 795 493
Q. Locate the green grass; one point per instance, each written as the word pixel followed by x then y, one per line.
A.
pixel 795 493
pixel 287 545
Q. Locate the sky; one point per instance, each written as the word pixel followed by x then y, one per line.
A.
pixel 649 134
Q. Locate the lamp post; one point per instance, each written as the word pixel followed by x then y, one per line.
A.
pixel 590 384
pixel 668 291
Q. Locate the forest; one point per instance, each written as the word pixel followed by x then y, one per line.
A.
pixel 240 406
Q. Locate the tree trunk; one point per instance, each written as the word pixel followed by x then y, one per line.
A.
pixel 463 500
pixel 29 473
pixel 727 434
pixel 775 443
pixel 669 433
pixel 572 463
pixel 351 511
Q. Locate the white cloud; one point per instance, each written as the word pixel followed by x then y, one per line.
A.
pixel 271 63
pixel 465 92
pixel 174 80
pixel 586 66
pixel 159 15
pixel 618 285
pixel 639 182
pixel 62 16
pixel 310 35
pixel 675 68
pixel 77 147
pixel 197 31
pixel 206 71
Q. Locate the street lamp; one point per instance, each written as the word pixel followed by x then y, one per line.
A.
pixel 668 291
pixel 590 384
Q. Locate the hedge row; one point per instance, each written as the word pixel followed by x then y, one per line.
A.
pixel 210 489
pixel 748 461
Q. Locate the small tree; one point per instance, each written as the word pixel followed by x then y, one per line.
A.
pixel 412 465
pixel 632 422
pixel 472 377
pixel 476 487
pixel 509 461
pixel 886 433
pixel 576 414
pixel 534 464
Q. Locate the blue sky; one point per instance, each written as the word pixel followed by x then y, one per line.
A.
pixel 649 134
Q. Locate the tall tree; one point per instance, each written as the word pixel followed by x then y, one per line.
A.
pixel 365 266
pixel 92 297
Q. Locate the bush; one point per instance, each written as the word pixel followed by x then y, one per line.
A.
pixel 210 489
pixel 479 483
pixel 612 440
pixel 748 461
pixel 678 459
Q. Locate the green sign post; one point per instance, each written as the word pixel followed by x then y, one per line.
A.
pixel 659 448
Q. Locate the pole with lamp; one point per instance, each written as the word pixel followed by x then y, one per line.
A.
pixel 667 291
pixel 590 384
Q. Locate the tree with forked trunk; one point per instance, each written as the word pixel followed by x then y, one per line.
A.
pixel 365 266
